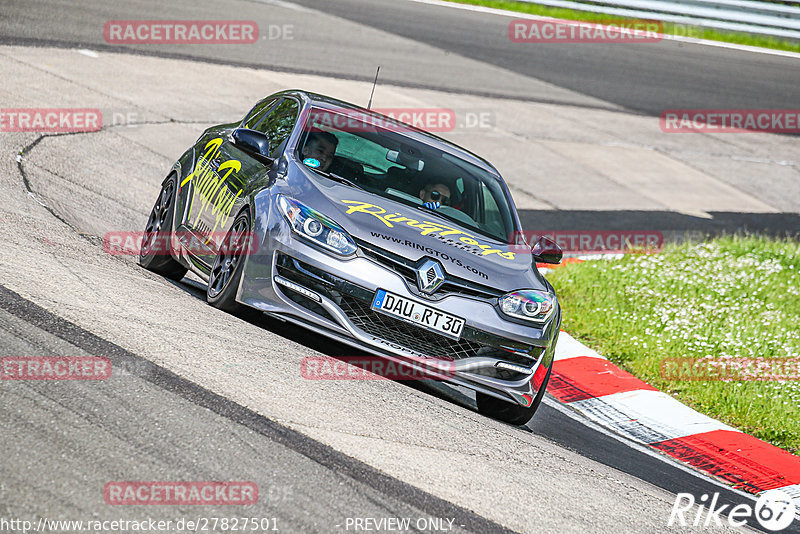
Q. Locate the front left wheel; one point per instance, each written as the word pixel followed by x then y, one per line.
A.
pixel 226 272
pixel 155 253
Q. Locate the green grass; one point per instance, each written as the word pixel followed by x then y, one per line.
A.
pixel 730 297
pixel 698 32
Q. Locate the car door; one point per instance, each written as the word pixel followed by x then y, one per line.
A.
pixel 205 178
pixel 218 186
pixel 223 175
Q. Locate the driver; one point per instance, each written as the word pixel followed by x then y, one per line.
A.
pixel 320 146
pixel 435 195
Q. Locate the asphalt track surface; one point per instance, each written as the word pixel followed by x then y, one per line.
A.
pixel 646 79
pixel 666 76
pixel 131 421
pixel 463 52
pixel 154 422
pixel 313 488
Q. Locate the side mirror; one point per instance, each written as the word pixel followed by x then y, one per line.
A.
pixel 546 251
pixel 254 143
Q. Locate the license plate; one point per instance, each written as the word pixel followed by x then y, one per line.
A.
pixel 417 313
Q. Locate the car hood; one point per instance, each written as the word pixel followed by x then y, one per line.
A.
pixel 414 234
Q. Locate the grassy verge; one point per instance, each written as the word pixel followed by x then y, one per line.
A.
pixel 699 32
pixel 732 297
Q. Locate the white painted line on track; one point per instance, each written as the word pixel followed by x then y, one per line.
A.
pixel 569 347
pixel 679 38
pixel 648 416
pixel 287 5
pixel 793 490
pixel 575 415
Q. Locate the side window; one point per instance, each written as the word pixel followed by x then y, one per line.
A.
pixel 258 112
pixel 277 123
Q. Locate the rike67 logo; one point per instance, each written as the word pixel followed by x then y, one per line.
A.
pixel 774 511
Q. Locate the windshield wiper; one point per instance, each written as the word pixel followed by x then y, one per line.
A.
pixel 446 218
pixel 462 223
pixel 422 207
pixel 344 180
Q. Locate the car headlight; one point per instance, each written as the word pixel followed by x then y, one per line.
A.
pixel 315 226
pixel 528 305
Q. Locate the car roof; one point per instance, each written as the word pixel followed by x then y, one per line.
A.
pixel 326 102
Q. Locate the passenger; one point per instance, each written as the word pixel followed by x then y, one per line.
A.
pixel 435 195
pixel 320 146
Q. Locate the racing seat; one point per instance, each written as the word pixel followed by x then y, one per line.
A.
pixel 347 168
pixel 403 180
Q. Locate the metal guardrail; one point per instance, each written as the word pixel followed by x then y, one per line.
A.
pixel 733 15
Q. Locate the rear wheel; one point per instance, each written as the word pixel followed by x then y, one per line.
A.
pixel 509 412
pixel 223 281
pixel 156 254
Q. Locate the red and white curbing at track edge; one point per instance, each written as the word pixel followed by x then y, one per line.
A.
pixel 616 400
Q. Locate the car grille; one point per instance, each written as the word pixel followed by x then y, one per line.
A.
pixel 406 268
pixel 404 334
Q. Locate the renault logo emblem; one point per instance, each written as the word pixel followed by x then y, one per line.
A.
pixel 430 276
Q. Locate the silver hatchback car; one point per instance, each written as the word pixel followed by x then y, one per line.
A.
pixel 371 232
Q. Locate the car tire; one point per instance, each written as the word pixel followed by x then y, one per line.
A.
pixel 507 411
pixel 226 272
pixel 155 253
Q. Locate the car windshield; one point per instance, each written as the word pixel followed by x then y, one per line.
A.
pixel 380 157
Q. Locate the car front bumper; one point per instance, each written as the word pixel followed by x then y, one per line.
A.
pixel 296 281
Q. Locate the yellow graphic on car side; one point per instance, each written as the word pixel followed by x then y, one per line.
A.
pixel 209 183
pixel 434 229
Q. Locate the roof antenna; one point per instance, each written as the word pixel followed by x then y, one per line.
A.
pixel 373 87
